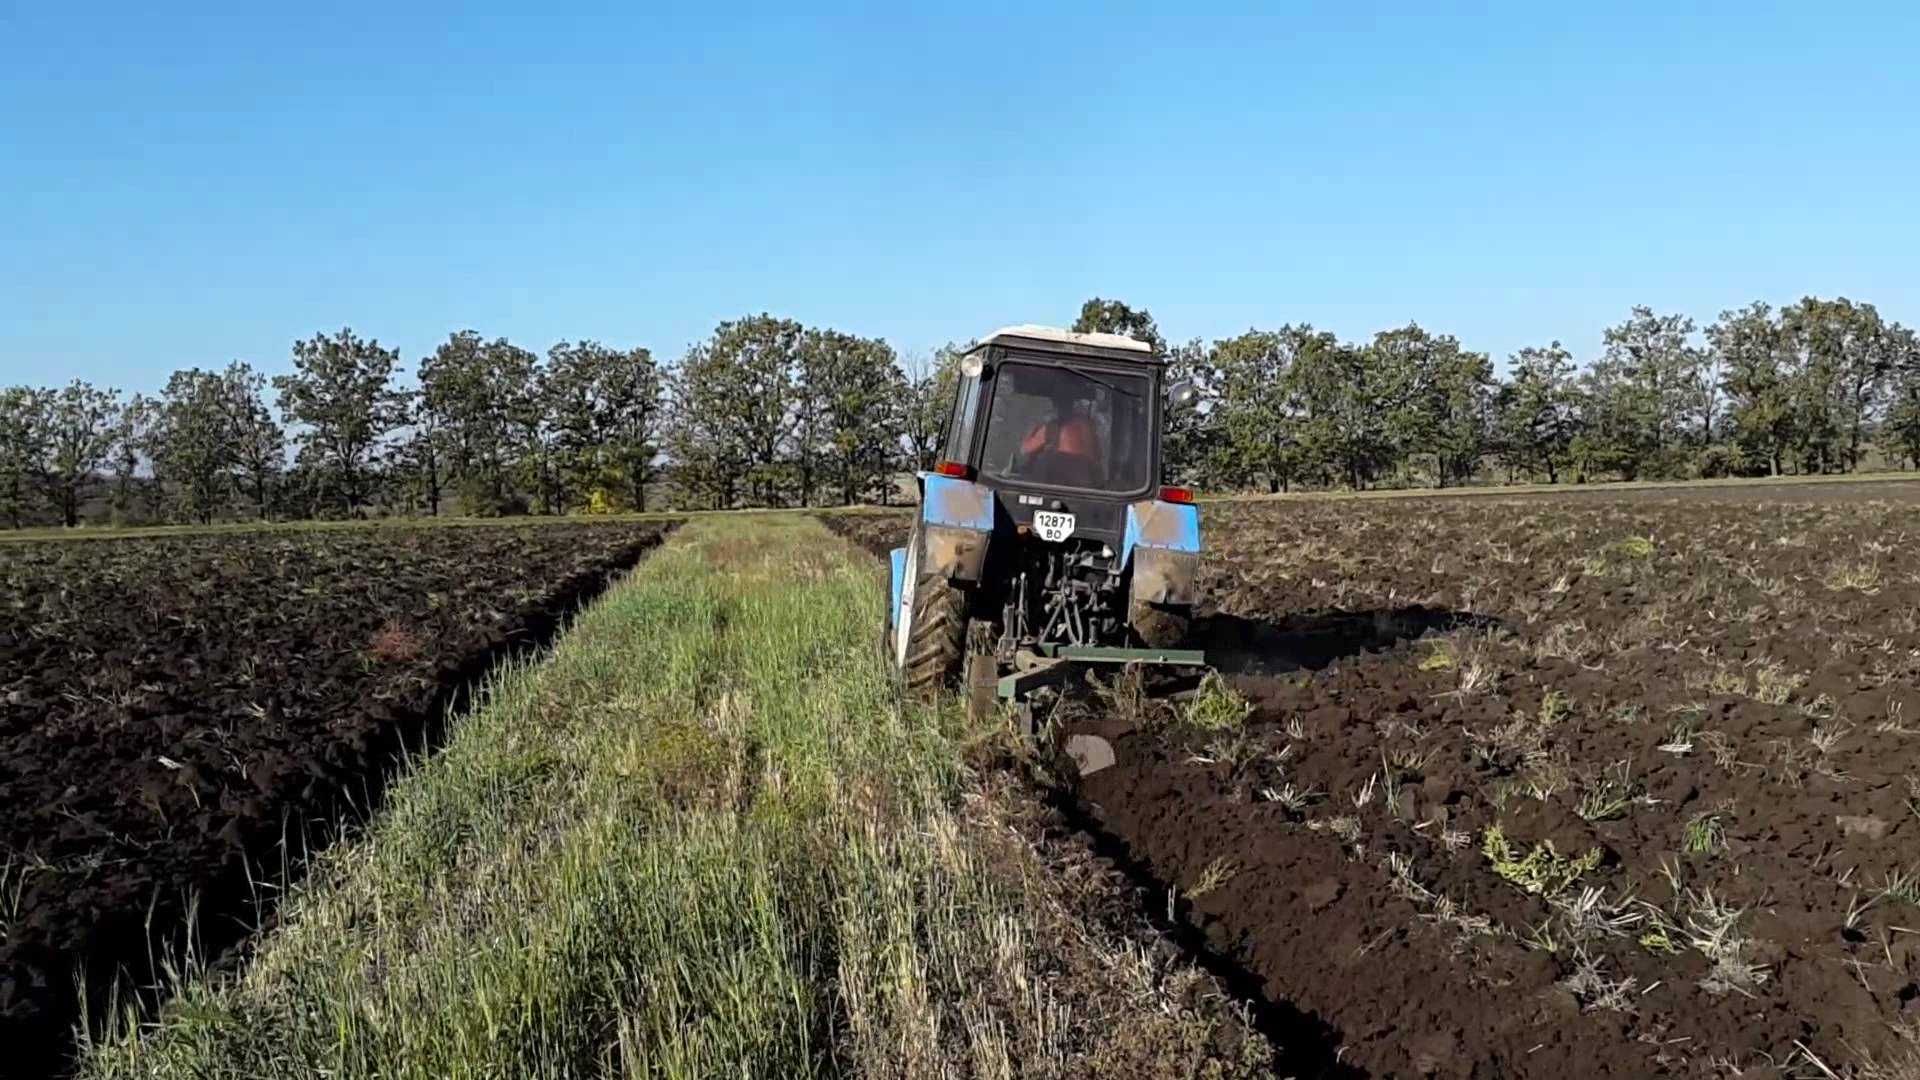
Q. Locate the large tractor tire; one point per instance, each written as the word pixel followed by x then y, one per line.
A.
pixel 931 648
pixel 1159 626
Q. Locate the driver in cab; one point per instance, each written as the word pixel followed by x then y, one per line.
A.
pixel 1063 450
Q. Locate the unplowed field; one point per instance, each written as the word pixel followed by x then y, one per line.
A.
pixel 178 715
pixel 1617 785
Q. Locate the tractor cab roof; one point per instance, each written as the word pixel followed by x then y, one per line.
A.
pixel 1049 339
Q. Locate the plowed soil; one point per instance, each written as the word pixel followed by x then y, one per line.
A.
pixel 179 715
pixel 1619 785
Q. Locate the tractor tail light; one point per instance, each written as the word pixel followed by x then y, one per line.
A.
pixel 1179 495
pixel 954 469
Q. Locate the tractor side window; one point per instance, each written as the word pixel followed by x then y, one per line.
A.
pixel 1055 427
pixel 966 405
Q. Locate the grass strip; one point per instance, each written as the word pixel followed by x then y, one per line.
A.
pixel 699 839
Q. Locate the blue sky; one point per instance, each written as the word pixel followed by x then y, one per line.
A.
pixel 186 190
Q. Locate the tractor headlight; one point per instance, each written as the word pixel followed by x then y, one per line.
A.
pixel 972 364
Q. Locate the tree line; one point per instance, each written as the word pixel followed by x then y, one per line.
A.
pixel 1818 386
pixel 764 412
pixel 767 411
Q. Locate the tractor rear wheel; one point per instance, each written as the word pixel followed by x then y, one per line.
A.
pixel 932 649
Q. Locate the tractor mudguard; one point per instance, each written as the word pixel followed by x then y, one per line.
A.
pixel 957 517
pixel 1162 544
pixel 1166 577
pixel 957 553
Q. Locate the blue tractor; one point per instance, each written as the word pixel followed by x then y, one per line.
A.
pixel 1045 537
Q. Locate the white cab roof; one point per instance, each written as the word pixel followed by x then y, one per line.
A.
pixel 1030 332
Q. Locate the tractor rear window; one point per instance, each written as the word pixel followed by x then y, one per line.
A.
pixel 1058 428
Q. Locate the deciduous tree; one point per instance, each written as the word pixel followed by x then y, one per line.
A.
pixel 343 400
pixel 80 424
pixel 1098 316
pixel 853 385
pixel 1258 410
pixel 607 406
pixel 259 443
pixel 1758 380
pixel 740 392
pixel 1656 378
pixel 930 382
pixel 1538 410
pixel 1343 426
pixel 477 389
pixel 1900 431
pixel 23 435
pixel 193 443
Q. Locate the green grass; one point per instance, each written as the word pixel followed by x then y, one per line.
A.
pixel 1543 871
pixel 700 839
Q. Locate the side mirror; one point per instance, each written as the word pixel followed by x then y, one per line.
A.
pixel 1183 394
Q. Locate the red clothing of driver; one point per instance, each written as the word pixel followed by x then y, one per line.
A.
pixel 1063 450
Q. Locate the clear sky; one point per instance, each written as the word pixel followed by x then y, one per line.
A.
pixel 186 190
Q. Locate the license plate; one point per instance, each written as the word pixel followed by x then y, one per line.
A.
pixel 1051 526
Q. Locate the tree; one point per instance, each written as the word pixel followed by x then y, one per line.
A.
pixel 537 436
pixel 1900 430
pixel 636 422
pixel 1843 352
pixel 259 444
pixel 192 443
pixel 1462 409
pixel 476 389
pixel 23 435
pixel 738 401
pixel 1758 382
pixel 1192 450
pixel 1433 396
pixel 606 406
pixel 1615 425
pixel 420 461
pixel 923 420
pixel 852 385
pixel 703 443
pixel 1099 316
pixel 1657 381
pixel 1344 411
pixel 80 424
pixel 1538 410
pixel 341 393
pixel 1258 411
pixel 132 444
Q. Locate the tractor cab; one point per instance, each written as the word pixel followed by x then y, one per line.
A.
pixel 1045 536
pixel 1058 423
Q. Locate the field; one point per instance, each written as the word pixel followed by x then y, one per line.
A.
pixel 180 715
pixel 1600 785
pixel 698 838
